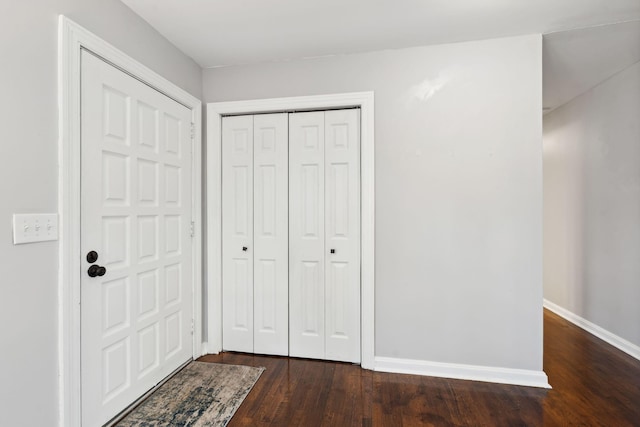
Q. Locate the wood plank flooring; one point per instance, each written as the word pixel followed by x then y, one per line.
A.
pixel 593 383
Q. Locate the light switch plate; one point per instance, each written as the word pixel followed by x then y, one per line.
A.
pixel 31 228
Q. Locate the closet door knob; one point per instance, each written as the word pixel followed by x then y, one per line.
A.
pixel 333 251
pixel 244 248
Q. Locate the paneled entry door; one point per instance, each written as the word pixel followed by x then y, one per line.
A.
pixel 136 213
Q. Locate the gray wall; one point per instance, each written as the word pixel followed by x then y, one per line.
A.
pixel 28 163
pixel 458 190
pixel 592 205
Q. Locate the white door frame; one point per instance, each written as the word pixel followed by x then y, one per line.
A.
pixel 215 111
pixel 72 38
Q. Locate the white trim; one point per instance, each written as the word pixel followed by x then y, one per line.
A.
pixel 71 39
pixel 215 111
pixel 618 342
pixel 521 377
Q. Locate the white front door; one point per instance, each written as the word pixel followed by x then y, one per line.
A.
pixel 136 212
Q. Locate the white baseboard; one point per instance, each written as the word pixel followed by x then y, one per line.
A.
pixel 463 372
pixel 620 343
pixel 206 350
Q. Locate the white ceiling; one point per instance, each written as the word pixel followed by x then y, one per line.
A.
pixel 218 32
pixel 580 49
pixel 575 61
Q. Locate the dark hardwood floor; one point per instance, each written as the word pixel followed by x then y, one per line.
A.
pixel 593 383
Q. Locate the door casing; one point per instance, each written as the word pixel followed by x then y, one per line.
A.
pixel 215 112
pixel 72 38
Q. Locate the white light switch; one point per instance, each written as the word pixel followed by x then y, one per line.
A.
pixel 30 228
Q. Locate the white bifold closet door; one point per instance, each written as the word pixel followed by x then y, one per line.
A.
pixel 324 235
pixel 254 237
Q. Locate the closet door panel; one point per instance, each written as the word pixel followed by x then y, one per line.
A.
pixel 342 217
pixel 306 235
pixel 237 233
pixel 270 237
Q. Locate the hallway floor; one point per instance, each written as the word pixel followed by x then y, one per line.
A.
pixel 594 384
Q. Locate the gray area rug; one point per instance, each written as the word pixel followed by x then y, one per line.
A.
pixel 202 394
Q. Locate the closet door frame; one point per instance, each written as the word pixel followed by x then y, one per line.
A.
pixel 215 112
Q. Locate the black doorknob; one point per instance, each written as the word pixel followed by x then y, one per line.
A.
pixel 244 248
pixel 92 257
pixel 333 251
pixel 96 270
